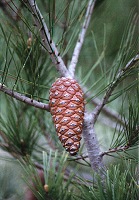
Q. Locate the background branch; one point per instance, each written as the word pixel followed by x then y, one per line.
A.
pixel 4 5
pixel 108 112
pixel 81 37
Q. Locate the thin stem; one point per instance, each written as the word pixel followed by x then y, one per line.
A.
pixel 122 148
pixel 23 98
pixel 79 157
pixel 81 37
pixel 49 43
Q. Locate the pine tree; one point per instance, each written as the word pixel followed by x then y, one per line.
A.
pixel 92 46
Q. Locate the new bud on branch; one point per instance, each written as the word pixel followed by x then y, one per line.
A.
pixel 67 108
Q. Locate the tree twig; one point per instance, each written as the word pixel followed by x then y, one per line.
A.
pixel 121 148
pixel 81 37
pixel 113 85
pixel 23 98
pixel 49 44
pixel 79 157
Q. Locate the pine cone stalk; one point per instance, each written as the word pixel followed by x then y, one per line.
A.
pixel 67 108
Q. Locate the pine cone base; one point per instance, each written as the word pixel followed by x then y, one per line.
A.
pixel 67 108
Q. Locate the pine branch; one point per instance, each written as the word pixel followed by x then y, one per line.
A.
pixel 81 37
pixel 113 85
pixel 96 162
pixel 49 43
pixel 92 143
pixel 23 98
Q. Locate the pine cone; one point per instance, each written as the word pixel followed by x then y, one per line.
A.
pixel 67 108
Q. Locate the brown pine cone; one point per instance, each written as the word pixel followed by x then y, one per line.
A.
pixel 67 108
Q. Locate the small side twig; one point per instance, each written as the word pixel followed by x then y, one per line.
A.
pixel 81 37
pixel 121 148
pixel 23 98
pixel 79 157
